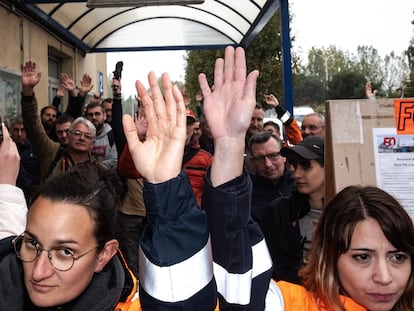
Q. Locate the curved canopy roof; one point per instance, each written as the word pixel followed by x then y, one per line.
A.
pixel 118 25
pixel 212 24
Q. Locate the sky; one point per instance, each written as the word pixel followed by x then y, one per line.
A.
pixel 382 24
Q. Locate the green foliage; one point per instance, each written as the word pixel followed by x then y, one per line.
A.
pixel 324 63
pixel 263 54
pixel 339 71
pixel 309 91
pixel 347 84
pixel 409 83
pixel 199 61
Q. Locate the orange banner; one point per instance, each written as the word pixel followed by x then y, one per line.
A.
pixel 404 115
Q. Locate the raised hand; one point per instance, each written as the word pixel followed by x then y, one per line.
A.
pixel 9 159
pixel 86 85
pixel 271 100
pixel 158 158
pixel 68 83
pixel 230 105
pixel 371 94
pixel 30 77
pixel 228 108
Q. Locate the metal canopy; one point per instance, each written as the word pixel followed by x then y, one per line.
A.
pixel 211 25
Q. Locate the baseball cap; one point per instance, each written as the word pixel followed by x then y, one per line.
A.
pixel 190 114
pixel 310 148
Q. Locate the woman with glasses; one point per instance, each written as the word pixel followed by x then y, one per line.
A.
pixel 67 257
pixel 289 223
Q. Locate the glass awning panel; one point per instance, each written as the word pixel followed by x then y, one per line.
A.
pixel 212 24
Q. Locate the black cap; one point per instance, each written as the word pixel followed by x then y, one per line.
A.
pixel 311 148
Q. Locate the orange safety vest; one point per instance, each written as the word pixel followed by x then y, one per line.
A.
pixel 132 302
pixel 297 297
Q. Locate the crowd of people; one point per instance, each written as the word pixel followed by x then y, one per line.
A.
pixel 147 213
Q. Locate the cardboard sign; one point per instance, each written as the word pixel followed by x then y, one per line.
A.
pixel 404 115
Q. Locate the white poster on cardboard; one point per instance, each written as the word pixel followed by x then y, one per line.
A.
pixel 394 165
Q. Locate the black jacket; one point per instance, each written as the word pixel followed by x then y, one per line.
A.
pixel 265 192
pixel 282 233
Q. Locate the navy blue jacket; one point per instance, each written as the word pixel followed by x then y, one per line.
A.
pixel 265 192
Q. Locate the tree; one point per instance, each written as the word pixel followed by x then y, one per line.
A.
pixel 263 54
pixel 332 64
pixel 199 61
pixel 309 91
pixel 408 87
pixel 369 63
pixel 347 84
pixel 396 72
pixel 324 63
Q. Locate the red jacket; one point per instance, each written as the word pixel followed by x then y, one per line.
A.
pixel 126 166
pixel 195 167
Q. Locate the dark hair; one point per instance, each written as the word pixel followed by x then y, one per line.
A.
pixel 258 106
pixel 93 105
pixel 261 138
pixel 333 234
pixel 107 100
pixel 98 189
pixel 272 123
pixel 202 119
pixel 64 118
pixel 42 111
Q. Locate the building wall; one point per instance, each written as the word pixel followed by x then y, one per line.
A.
pixel 22 39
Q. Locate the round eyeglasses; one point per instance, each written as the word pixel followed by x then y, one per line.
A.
pixel 61 258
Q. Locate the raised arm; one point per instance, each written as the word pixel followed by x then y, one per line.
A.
pixel 242 264
pixel 175 268
pixel 228 111
pixel 369 92
pixel 292 131
pixel 44 148
pixel 117 113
